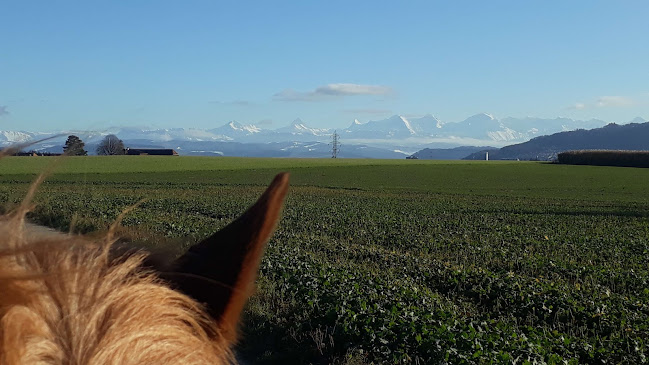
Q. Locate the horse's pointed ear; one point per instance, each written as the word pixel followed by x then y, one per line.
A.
pixel 220 271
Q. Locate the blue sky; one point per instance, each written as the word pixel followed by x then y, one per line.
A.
pixel 93 64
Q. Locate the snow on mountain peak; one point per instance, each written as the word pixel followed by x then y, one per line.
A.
pixel 15 137
pixel 244 128
pixel 355 125
pixel 407 124
pixel 482 116
pixel 428 120
pixel 298 127
pixel 402 130
pixel 480 119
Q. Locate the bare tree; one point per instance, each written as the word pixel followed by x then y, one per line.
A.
pixel 110 145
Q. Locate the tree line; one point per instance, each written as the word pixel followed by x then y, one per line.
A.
pixel 605 158
pixel 110 145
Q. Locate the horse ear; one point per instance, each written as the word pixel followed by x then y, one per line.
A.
pixel 220 271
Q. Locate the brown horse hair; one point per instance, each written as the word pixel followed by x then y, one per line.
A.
pixel 70 300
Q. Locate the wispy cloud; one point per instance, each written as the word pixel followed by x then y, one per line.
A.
pixel 330 91
pixel 234 102
pixel 265 122
pixel 292 95
pixel 605 102
pixel 352 89
pixel 3 110
pixel 613 101
pixel 367 111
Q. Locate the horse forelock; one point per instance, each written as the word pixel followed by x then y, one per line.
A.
pixel 65 301
pixel 69 300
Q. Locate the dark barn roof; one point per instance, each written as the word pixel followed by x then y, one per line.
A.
pixel 151 151
pixel 35 153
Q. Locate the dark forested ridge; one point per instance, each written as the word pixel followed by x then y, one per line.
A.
pixel 633 136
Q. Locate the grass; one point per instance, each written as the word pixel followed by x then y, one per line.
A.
pixel 499 178
pixel 396 261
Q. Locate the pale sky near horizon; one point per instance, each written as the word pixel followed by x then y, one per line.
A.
pixel 90 65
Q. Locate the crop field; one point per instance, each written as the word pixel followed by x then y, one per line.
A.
pixel 393 261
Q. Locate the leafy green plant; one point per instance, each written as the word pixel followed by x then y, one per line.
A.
pixel 372 272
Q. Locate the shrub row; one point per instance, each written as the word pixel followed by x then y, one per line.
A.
pixel 605 158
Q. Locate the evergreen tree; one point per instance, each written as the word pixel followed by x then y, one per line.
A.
pixel 74 147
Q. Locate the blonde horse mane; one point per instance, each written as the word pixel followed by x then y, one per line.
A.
pixel 69 300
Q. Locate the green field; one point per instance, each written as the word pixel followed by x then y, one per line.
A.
pixel 394 261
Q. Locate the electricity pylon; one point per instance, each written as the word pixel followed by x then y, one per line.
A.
pixel 335 145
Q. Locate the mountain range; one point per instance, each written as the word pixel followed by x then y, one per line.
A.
pixel 394 137
pixel 632 136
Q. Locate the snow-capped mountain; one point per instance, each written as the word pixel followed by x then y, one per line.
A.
pixel 531 127
pixel 234 130
pixel 482 126
pixel 632 136
pixel 298 127
pixel 10 137
pixel 428 124
pixel 394 127
pixel 165 134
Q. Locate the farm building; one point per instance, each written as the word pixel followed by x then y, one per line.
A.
pixel 35 153
pixel 152 151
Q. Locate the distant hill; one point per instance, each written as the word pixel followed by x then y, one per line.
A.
pixel 633 136
pixel 456 153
